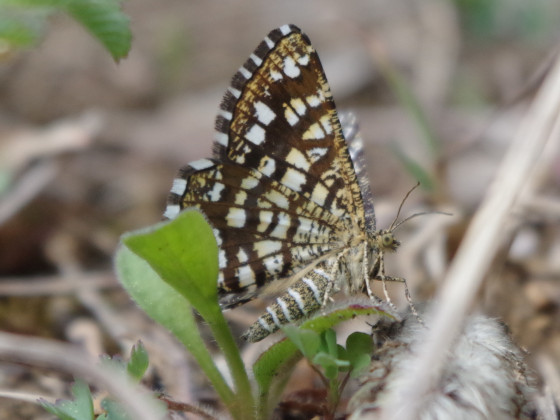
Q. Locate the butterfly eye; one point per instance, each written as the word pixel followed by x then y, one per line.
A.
pixel 387 240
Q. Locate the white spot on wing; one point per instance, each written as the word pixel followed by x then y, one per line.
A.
pixel 246 73
pixel 293 179
pixel 319 194
pixel 249 183
pixel 201 164
pixel 303 60
pixel 235 92
pixel 267 247
pixel 269 42
pixel 240 197
pixel 267 166
pixel 221 138
pixel 265 218
pixel 222 260
pixel 264 114
pixel 226 114
pixel 290 116
pixel 317 153
pixel 298 159
pixel 246 275
pixel 290 68
pixel 216 193
pixel 275 75
pixel 277 198
pixel 314 132
pixel 242 256
pixel 179 186
pixel 236 217
pixel 256 59
pixel 256 134
pixel 274 263
pixel 285 29
pixel 171 211
pixel 315 100
pixel 305 225
pixel 326 123
pixel 281 228
pixel 298 105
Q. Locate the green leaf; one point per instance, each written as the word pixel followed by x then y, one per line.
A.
pixel 343 355
pixel 114 410
pixel 183 252
pixel 104 19
pixel 359 343
pixel 359 347
pixel 325 359
pixel 359 363
pixel 328 342
pixel 343 312
pixel 80 408
pixel 169 308
pixel 306 341
pixel 138 363
pixel 329 364
pixel 169 267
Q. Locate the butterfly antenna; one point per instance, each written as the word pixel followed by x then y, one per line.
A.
pixel 420 214
pixel 400 207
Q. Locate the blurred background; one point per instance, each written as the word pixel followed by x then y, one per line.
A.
pixel 89 148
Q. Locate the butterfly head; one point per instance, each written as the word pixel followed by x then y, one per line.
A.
pixel 386 241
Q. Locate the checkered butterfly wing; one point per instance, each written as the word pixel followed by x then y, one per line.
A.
pixel 281 190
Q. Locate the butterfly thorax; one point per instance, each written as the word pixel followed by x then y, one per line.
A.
pixel 364 245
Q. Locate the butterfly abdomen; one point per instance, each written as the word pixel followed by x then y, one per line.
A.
pixel 300 300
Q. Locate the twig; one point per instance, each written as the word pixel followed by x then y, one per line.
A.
pixel 55 285
pixel 29 186
pixel 479 246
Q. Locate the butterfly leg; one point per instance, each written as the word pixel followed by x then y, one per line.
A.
pixel 384 279
pixel 303 298
pixel 330 284
pixel 365 265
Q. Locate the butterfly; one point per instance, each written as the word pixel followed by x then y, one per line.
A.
pixel 286 191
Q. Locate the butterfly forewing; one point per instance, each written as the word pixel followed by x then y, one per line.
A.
pixel 281 190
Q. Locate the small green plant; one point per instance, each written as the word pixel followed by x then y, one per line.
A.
pixel 330 359
pixel 81 407
pixel 171 269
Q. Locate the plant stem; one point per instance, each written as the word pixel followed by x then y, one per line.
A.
pixel 244 404
pixel 195 345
